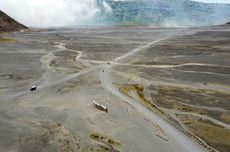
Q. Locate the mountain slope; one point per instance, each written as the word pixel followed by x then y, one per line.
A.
pixel 165 12
pixel 7 24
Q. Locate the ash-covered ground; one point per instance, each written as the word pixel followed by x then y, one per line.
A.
pixel 166 89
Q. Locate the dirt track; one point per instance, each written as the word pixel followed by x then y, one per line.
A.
pixel 73 67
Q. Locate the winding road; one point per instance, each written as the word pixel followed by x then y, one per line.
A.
pixel 105 78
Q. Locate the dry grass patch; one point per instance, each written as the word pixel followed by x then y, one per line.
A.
pixel 216 136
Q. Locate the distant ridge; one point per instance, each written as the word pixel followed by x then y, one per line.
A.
pixel 8 24
pixel 165 12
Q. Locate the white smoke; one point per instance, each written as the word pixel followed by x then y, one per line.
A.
pixel 57 13
pixel 48 13
pixel 107 8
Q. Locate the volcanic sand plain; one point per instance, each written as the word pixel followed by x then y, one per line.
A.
pixel 166 89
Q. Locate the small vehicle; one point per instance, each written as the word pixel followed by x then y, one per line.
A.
pixel 100 107
pixel 33 88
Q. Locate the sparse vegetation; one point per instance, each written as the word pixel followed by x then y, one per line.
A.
pixel 184 100
pixel 98 137
pixel 6 40
pixel 139 89
pixel 212 134
pixel 106 144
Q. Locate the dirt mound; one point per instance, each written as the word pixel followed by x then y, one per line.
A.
pixel 8 24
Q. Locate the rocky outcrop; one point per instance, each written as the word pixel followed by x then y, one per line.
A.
pixel 8 24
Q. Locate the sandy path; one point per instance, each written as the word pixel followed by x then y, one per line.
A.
pixel 144 47
pixel 46 60
pixel 105 77
pixel 204 117
pixel 185 141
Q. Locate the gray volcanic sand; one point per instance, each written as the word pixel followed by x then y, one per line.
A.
pixel 73 66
